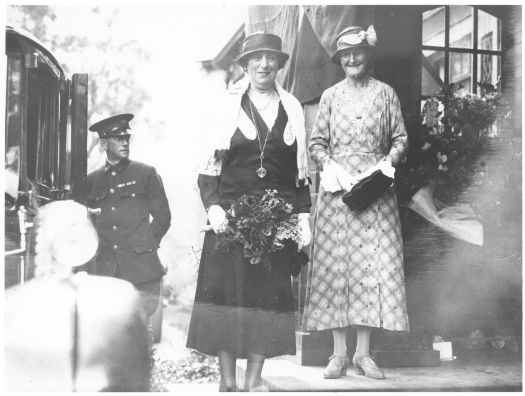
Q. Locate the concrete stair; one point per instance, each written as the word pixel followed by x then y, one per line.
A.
pixel 480 371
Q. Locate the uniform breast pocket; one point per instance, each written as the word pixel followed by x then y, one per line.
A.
pixel 132 203
pixel 133 191
pixel 96 197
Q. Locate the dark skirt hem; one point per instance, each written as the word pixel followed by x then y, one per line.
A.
pixel 214 352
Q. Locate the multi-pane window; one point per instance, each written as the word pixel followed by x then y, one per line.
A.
pixel 460 45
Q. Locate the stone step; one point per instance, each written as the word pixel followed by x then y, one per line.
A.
pixel 473 374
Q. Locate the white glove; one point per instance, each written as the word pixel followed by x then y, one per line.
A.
pixel 335 178
pixel 329 178
pixel 306 233
pixel 345 180
pixel 217 218
pixel 385 166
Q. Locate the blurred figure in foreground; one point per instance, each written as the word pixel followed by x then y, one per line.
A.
pixel 126 193
pixel 73 332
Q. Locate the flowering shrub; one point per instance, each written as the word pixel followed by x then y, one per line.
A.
pixel 447 141
pixel 261 225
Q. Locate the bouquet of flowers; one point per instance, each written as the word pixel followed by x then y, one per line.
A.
pixel 261 225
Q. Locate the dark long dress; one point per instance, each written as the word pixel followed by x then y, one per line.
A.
pixel 239 307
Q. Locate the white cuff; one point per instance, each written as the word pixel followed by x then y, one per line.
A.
pixel 217 218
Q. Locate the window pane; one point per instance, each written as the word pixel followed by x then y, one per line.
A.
pixel 432 72
pixel 489 32
pixel 460 70
pixel 13 130
pixel 47 146
pixel 489 68
pixel 461 26
pixel 434 27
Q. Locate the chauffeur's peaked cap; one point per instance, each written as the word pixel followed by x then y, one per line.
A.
pixel 117 125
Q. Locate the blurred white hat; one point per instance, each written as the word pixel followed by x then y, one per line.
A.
pixel 66 237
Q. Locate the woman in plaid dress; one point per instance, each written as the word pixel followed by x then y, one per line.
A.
pixel 356 277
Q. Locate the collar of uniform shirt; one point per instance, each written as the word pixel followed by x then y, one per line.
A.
pixel 119 166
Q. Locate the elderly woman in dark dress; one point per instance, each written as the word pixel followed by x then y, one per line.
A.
pixel 356 278
pixel 241 310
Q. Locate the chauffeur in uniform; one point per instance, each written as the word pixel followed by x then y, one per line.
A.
pixel 125 193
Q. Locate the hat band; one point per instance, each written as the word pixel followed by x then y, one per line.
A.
pixel 262 42
pixel 358 38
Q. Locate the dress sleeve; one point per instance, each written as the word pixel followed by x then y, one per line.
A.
pixel 209 190
pixel 208 180
pixel 398 137
pixel 320 137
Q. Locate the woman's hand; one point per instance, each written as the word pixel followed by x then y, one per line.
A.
pixel 334 178
pixel 328 177
pixel 304 229
pixel 217 218
pixel 345 180
pixel 385 166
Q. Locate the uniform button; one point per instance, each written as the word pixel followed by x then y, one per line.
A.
pixel 115 246
pixel 113 173
pixel 114 227
pixel 133 194
pixel 111 190
pixel 113 208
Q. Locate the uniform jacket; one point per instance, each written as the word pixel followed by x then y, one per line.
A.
pixel 127 194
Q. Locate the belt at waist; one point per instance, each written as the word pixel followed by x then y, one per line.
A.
pixel 358 152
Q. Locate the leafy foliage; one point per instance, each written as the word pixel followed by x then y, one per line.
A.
pixel 261 225
pixel 194 367
pixel 109 60
pixel 448 140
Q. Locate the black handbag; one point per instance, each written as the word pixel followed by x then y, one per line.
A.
pixel 367 190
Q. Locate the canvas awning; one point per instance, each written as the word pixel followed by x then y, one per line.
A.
pixel 308 33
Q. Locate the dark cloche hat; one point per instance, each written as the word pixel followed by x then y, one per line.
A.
pixel 352 37
pixel 261 42
pixel 117 125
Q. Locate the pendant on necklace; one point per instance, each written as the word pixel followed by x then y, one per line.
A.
pixel 261 172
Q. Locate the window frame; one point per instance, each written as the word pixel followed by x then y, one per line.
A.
pixel 447 49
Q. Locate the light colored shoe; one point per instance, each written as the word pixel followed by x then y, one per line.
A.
pixel 365 365
pixel 336 368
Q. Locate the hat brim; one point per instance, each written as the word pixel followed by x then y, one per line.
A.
pixel 336 57
pixel 242 57
pixel 107 136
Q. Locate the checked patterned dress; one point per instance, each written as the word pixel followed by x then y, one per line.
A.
pixel 356 276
